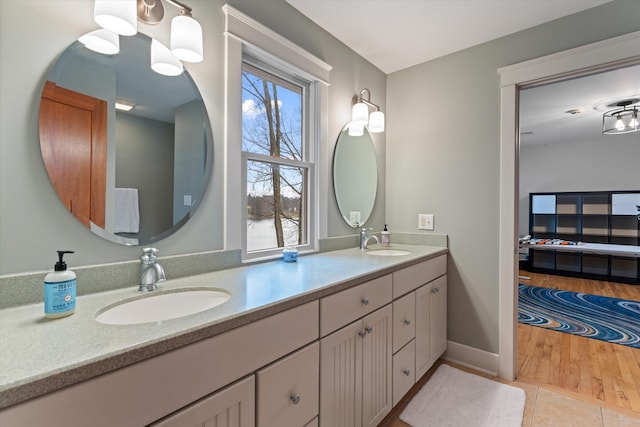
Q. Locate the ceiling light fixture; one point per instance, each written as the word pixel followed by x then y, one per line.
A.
pixel 623 119
pixel 101 41
pixel 121 17
pixel 360 113
pixel 124 105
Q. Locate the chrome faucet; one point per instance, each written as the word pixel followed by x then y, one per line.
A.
pixel 365 236
pixel 151 271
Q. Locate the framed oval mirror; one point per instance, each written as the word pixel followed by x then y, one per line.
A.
pixel 132 177
pixel 355 176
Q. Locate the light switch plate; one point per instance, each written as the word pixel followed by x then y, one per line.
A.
pixel 425 221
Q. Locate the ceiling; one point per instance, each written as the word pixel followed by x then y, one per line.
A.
pixel 428 29
pixel 544 110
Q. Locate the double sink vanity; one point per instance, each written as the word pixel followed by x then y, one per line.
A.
pixel 337 338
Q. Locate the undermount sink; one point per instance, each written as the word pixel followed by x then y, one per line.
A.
pixel 163 306
pixel 388 252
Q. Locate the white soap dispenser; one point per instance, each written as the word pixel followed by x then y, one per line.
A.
pixel 60 290
pixel 386 236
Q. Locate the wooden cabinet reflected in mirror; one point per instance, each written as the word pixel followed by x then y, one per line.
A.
pixel 73 129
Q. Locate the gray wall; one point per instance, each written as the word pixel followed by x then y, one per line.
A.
pixel 604 163
pixel 145 160
pixel 189 158
pixel 34 223
pixel 443 152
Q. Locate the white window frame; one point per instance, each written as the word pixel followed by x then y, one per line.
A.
pixel 245 36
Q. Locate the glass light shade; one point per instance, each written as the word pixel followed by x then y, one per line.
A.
pixel 101 41
pixel 356 129
pixel 163 62
pixel 376 122
pixel 617 122
pixel 360 113
pixel 119 16
pixel 186 39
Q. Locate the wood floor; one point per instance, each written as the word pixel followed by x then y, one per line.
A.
pixel 597 370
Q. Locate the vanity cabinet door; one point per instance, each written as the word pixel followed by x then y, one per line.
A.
pixel 376 366
pixel 341 377
pixel 233 406
pixel 431 324
pixel 288 390
pixel 438 322
pixel 355 372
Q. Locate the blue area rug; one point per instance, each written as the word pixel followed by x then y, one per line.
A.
pixel 608 319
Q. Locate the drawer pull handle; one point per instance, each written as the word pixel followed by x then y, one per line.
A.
pixel 406 372
pixel 295 398
pixel 368 329
pixel 362 334
pixel 365 301
pixel 407 322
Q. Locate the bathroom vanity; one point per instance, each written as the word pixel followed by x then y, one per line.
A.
pixel 336 339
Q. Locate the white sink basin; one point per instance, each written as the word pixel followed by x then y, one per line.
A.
pixel 388 252
pixel 163 306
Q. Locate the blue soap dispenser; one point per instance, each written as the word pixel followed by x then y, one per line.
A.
pixel 60 290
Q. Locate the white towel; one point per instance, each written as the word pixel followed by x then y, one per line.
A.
pixel 127 214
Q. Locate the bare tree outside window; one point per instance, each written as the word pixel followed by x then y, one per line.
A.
pixel 272 132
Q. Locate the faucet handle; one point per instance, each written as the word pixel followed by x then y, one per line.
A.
pixel 149 255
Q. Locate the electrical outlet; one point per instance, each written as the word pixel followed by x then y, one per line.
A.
pixel 354 217
pixel 425 221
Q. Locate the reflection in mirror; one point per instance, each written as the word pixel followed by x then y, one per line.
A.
pixel 355 176
pixel 135 176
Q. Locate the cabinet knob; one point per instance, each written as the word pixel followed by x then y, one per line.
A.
pixel 435 290
pixel 407 322
pixel 368 329
pixel 362 334
pixel 365 301
pixel 406 372
pixel 295 398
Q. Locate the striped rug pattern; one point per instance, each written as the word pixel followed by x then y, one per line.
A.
pixel 608 319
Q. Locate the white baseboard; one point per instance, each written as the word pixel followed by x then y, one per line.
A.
pixel 472 357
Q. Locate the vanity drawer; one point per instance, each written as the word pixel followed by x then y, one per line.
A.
pixel 404 375
pixel 410 278
pixel 344 307
pixel 404 320
pixel 288 390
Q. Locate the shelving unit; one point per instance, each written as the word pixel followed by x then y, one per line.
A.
pixel 606 217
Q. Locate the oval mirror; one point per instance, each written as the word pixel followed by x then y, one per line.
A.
pixel 355 176
pixel 132 177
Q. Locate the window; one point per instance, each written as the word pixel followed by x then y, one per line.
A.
pixel 276 154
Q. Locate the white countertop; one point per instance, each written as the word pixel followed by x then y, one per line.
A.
pixel 593 248
pixel 38 356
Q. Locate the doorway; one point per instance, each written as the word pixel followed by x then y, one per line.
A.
pixel 605 55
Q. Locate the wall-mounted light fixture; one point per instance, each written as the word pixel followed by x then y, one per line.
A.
pixel 121 17
pixel 623 119
pixel 360 115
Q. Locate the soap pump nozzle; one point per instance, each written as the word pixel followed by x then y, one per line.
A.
pixel 61 265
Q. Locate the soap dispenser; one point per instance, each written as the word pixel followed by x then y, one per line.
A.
pixel 60 290
pixel 386 236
